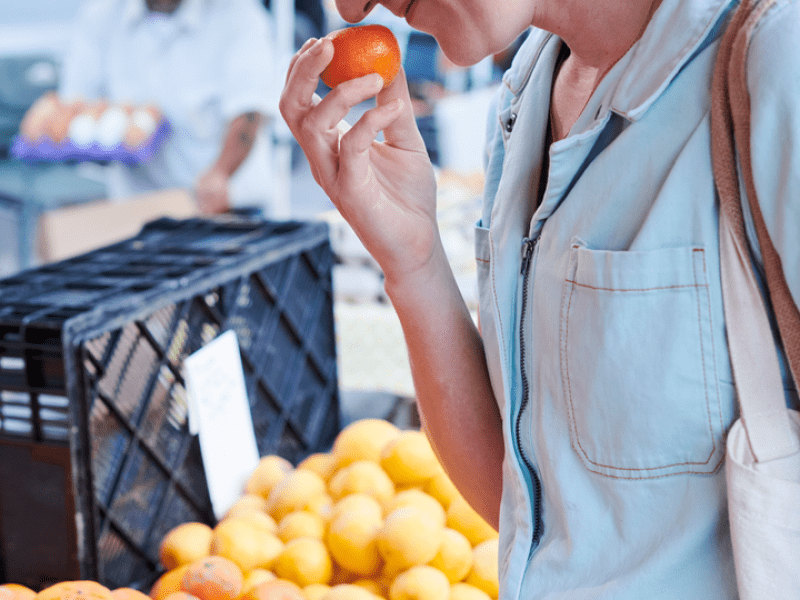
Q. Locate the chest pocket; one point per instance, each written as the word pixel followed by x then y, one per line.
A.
pixel 638 363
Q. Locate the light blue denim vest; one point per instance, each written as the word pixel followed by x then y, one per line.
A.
pixel 602 317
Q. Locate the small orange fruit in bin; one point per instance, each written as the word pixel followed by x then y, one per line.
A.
pixel 168 583
pixel 185 544
pixel 75 590
pixel 15 591
pixel 359 51
pixel 126 593
pixel 277 589
pixel 213 578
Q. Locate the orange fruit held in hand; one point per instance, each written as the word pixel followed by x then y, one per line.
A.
pixel 359 51
pixel 213 578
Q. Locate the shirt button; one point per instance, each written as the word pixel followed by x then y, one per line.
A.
pixel 510 122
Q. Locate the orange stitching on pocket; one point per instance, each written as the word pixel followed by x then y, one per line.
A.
pixel 602 289
pixel 573 421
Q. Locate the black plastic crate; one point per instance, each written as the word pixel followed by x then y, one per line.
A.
pixel 93 413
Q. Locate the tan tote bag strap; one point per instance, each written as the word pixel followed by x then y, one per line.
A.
pixel 755 363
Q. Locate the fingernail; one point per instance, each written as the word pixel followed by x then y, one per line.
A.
pixel 316 48
pixel 378 80
pixel 395 105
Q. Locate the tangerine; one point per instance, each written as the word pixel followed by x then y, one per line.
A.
pixel 16 591
pixel 75 590
pixel 126 593
pixel 213 578
pixel 277 589
pixel 361 50
pixel 168 583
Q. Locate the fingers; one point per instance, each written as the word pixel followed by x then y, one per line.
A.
pixel 356 143
pixel 402 132
pixel 339 101
pixel 303 78
pixel 309 42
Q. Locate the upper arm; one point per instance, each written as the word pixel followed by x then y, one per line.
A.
pixel 774 86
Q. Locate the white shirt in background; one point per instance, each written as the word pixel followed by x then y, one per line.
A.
pixel 204 65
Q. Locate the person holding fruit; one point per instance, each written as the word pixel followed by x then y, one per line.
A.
pixel 586 416
pixel 205 64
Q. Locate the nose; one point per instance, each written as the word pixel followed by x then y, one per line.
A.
pixel 353 11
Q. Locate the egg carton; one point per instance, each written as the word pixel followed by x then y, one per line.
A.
pixel 49 151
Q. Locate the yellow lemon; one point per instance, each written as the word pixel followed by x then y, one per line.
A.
pixel 363 440
pixel 462 517
pixel 420 583
pixel 442 488
pixel 348 591
pixel 249 546
pixel 315 591
pixel 409 459
pixel 409 536
pixel 484 573
pixel 321 463
pixel 301 523
pixel 352 542
pixel 362 476
pixel 372 586
pixel 296 491
pixel 418 498
pixel 322 506
pixel 254 577
pixel 454 558
pixel 247 503
pixel 185 544
pixel 358 503
pixel 304 561
pixel 465 591
pixel 270 470
pixel 259 520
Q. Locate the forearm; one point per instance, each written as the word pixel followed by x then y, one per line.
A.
pixel 238 142
pixel 451 380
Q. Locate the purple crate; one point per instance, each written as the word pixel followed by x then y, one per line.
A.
pixel 49 151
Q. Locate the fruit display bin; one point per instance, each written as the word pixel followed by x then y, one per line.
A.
pixel 96 460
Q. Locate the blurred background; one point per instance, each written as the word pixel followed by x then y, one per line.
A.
pixel 117 112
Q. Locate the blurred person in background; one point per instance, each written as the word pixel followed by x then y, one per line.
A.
pixel 206 64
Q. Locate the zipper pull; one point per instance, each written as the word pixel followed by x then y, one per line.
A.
pixel 528 244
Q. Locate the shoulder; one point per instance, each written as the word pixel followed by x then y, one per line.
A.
pixel 773 62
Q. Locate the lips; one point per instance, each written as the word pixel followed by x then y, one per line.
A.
pixel 407 11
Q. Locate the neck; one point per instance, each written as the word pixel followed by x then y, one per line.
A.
pixel 598 33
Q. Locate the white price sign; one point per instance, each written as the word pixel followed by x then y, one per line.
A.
pixel 219 412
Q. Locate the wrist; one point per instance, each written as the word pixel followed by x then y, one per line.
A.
pixel 431 274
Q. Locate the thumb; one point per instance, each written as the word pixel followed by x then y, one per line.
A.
pixel 403 132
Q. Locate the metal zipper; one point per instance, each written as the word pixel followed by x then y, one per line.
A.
pixel 528 247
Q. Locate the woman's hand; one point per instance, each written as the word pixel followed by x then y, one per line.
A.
pixel 385 190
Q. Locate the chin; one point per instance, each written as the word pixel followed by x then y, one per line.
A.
pixel 463 55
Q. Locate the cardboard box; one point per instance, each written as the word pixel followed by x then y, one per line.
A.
pixel 74 230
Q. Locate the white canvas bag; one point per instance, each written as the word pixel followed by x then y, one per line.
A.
pixel 762 464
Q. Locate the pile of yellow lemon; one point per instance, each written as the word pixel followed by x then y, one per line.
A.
pixel 375 518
